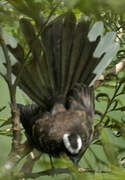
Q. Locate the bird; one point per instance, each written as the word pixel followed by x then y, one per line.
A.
pixel 65 61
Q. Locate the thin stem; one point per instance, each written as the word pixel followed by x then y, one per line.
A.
pixel 14 111
pixel 8 64
pixel 109 104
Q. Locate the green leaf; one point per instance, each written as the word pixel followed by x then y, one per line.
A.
pixel 107 146
pixel 95 7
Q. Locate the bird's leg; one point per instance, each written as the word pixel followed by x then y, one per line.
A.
pixel 51 162
pixel 52 165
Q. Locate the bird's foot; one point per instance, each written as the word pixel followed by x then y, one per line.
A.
pixel 52 166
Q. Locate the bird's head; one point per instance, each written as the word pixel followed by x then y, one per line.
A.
pixel 74 147
pixel 72 130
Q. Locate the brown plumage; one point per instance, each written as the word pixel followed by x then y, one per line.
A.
pixel 49 128
pixel 58 78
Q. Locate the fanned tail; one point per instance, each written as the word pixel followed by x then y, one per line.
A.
pixel 63 57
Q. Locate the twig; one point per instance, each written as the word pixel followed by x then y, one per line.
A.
pixel 116 69
pixel 49 172
pixel 14 110
pixel 56 171
pixel 16 141
pixel 7 59
pixel 14 157
pixel 109 104
pixel 92 170
pixel 52 11
pixel 113 71
pixel 30 161
pixel 1 109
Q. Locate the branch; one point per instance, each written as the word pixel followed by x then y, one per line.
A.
pixel 14 111
pixel 7 59
pixel 30 161
pixel 92 170
pixel 57 171
pixel 49 172
pixel 115 70
pixel 14 157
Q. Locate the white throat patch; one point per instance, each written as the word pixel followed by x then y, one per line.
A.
pixel 68 144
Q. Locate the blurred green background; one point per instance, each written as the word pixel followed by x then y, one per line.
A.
pixel 104 154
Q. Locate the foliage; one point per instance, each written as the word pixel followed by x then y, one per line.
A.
pixel 105 157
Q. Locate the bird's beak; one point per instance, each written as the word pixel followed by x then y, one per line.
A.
pixel 75 161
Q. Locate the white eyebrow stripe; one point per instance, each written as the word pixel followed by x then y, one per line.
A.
pixel 68 145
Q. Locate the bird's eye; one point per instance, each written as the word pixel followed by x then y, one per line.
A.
pixel 73 143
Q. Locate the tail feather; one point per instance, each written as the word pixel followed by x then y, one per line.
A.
pixel 65 56
pixel 56 50
pixel 44 73
pixel 35 46
pixel 31 38
pixel 30 85
pixel 47 45
pixel 77 48
pixel 80 61
pixel 67 41
pixel 89 76
pixel 18 52
pixel 90 62
pixel 33 95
